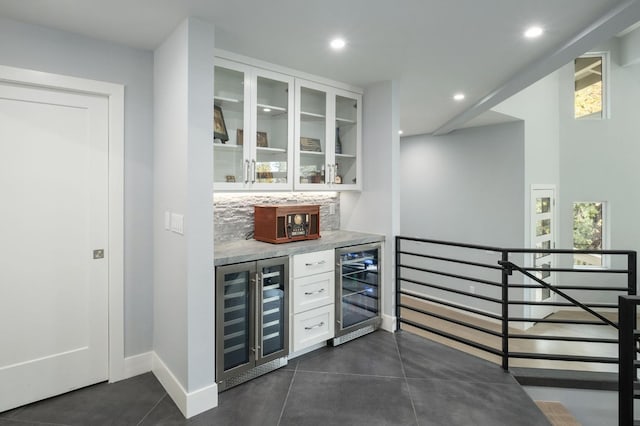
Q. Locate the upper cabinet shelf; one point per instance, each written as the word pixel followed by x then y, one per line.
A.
pixel 341 120
pixel 221 100
pixel 312 116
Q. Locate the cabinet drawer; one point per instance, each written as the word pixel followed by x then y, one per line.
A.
pixel 313 291
pixel 313 263
pixel 314 326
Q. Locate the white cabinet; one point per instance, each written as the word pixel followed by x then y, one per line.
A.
pixel 328 131
pixel 253 128
pixel 313 290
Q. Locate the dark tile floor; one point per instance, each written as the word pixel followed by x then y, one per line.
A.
pixel 378 379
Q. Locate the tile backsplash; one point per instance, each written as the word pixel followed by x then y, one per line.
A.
pixel 233 213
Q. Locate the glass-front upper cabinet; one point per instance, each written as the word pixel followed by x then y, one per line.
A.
pixel 253 128
pixel 328 137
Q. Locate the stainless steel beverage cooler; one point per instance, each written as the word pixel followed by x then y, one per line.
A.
pixel 358 279
pixel 252 319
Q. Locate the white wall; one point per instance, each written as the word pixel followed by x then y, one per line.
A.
pixel 599 158
pixel 465 186
pixel 43 49
pixel 184 320
pixel 537 105
pixel 170 184
pixel 199 232
pixel 376 208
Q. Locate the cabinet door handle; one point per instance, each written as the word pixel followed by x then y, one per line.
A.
pixel 309 293
pixel 322 262
pixel 258 315
pixel 253 171
pixel 315 326
pixel 246 171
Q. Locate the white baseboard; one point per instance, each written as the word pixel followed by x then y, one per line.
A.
pixel 189 403
pixel 388 323
pixel 137 364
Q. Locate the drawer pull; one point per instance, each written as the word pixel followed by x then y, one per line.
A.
pixel 322 262
pixel 315 326
pixel 309 293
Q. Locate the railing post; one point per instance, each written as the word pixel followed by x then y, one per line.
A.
pixel 632 274
pixel 626 357
pixel 505 310
pixel 397 283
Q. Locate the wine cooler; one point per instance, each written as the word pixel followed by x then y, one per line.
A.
pixel 252 319
pixel 358 279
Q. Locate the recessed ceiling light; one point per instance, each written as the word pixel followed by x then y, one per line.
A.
pixel 458 96
pixel 533 32
pixel 338 43
pixel 400 132
pixel 266 109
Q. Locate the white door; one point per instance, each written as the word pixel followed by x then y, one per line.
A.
pixel 542 237
pixel 53 215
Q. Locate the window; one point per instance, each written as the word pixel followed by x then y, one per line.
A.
pixel 588 232
pixel 590 86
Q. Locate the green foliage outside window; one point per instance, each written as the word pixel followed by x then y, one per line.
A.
pixel 587 231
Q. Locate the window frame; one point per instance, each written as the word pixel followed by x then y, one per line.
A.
pixel 606 88
pixel 606 243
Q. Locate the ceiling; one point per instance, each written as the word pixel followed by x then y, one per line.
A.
pixel 433 48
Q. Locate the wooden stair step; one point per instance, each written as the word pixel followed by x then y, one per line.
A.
pixel 557 413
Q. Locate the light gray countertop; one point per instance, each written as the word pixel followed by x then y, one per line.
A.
pixel 247 250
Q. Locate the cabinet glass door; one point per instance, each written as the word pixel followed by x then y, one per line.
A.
pixel 346 143
pixel 274 131
pixel 359 286
pixel 237 334
pixel 312 136
pixel 230 117
pixel 273 300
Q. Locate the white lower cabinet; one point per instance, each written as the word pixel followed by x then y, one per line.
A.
pixel 313 298
pixel 313 326
pixel 313 291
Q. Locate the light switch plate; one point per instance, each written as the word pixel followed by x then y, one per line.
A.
pixel 177 223
pixel 167 220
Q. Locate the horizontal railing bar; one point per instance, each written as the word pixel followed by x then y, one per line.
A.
pixel 565 304
pixel 569 287
pixel 557 321
pixel 451 305
pixel 633 299
pixel 452 320
pixel 569 251
pixel 452 337
pixel 555 357
pixel 464 293
pixel 514 250
pixel 597 271
pixel 451 259
pixel 451 243
pixel 563 338
pixel 450 275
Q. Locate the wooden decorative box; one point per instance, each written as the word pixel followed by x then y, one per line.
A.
pixel 286 223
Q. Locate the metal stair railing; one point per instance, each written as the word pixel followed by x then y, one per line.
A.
pixel 628 384
pixel 435 293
